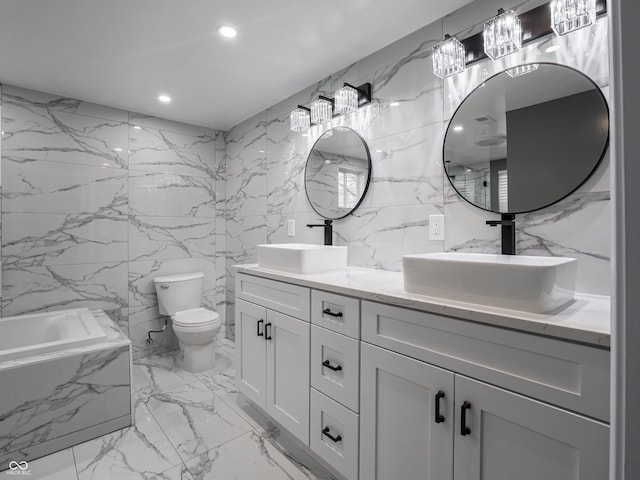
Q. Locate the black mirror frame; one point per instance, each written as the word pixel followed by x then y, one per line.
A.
pixel 366 186
pixel 587 177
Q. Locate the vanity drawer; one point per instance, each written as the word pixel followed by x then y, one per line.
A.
pixel 334 434
pixel 282 297
pixel 562 373
pixel 335 366
pixel 336 312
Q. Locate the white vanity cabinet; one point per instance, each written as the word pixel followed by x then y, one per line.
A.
pixel 382 392
pixel 273 354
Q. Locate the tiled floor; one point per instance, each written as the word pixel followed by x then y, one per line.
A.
pixel 188 427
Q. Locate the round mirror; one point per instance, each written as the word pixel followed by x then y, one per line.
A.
pixel 337 174
pixel 526 138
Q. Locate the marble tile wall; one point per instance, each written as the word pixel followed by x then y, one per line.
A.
pixel 97 201
pixel 265 163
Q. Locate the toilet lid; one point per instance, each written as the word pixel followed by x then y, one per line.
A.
pixel 195 317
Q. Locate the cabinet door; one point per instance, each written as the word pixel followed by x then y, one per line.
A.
pixel 399 437
pixel 288 373
pixel 251 351
pixel 513 437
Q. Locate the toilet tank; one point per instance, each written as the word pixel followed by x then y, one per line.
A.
pixel 178 292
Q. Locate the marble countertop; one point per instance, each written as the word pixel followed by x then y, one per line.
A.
pixel 587 320
pixel 115 338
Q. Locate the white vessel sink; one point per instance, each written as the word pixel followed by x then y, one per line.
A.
pixel 517 282
pixel 302 257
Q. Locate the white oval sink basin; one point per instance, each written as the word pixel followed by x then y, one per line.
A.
pixel 302 257
pixel 517 282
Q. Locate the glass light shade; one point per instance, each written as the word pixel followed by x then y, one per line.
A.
pixel 299 120
pixel 321 110
pixel 448 57
pixel 346 100
pixel 522 70
pixel 570 15
pixel 502 35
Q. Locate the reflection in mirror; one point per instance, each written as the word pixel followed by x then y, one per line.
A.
pixel 526 138
pixel 337 173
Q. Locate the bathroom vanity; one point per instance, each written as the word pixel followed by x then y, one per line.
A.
pixel 384 384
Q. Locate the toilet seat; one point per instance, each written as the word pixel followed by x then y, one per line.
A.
pixel 197 317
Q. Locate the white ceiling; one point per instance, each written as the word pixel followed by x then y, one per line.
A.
pixel 124 53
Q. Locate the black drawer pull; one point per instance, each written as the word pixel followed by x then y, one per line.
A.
pixel 328 311
pixel 439 416
pixel 327 364
pixel 336 439
pixel 267 333
pixel 258 332
pixel 464 430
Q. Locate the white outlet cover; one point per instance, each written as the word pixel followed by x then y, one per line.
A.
pixel 436 227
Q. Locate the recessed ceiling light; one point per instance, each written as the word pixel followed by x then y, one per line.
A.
pixel 552 48
pixel 164 98
pixel 394 104
pixel 137 127
pixel 227 31
pixel 458 128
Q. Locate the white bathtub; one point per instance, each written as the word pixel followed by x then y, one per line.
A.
pixel 28 335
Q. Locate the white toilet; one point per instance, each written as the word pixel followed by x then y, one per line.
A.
pixel 196 327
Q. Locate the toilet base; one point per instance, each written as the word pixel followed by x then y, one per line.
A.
pixel 197 358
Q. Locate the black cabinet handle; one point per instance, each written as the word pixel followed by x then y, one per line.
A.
pixel 464 430
pixel 439 416
pixel 327 364
pixel 267 333
pixel 336 439
pixel 327 311
pixel 258 332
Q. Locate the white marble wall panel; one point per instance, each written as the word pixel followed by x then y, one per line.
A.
pixel 50 187
pixel 171 195
pixel 37 239
pixel 243 236
pixel 246 169
pixel 56 103
pixel 32 130
pixel 148 121
pixel 379 237
pixel 56 287
pixel 164 151
pixel 407 167
pixel 170 237
pixel 65 395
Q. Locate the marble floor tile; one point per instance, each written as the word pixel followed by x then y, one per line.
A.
pixel 176 473
pixel 248 457
pixel 158 374
pixel 195 420
pixel 57 466
pixel 137 452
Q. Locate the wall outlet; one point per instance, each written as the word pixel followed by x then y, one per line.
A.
pixel 436 227
pixel 291 228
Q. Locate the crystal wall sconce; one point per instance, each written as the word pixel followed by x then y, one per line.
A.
pixel 347 99
pixel 448 57
pixel 300 119
pixel 570 15
pixel 502 34
pixel 321 110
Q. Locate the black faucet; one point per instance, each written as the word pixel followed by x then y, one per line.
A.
pixel 328 230
pixel 508 223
